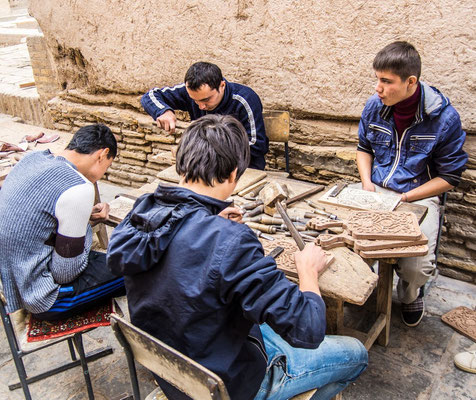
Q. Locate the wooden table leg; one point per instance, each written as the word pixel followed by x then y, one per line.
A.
pixel 384 299
pixel 334 316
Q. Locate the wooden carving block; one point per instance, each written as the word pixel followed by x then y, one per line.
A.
pixel 119 208
pixel 359 199
pixel 272 193
pixel 363 244
pixel 285 261
pixel 399 252
pixel 329 241
pixel 383 225
pixel 319 223
pixel 463 320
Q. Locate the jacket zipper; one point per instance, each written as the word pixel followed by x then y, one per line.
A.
pixel 416 137
pixel 381 129
pixel 259 345
pixel 397 158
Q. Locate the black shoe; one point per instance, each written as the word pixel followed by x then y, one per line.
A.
pixel 412 313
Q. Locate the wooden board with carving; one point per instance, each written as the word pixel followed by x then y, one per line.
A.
pixel 285 261
pixel 398 252
pixel 383 225
pixel 331 241
pixel 359 199
pixel 463 320
pixel 119 208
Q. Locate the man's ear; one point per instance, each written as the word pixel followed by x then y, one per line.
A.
pixel 232 177
pixel 412 80
pixel 103 153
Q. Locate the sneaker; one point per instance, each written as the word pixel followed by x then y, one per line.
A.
pixel 412 313
pixel 466 361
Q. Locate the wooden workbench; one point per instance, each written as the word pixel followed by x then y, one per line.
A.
pixel 349 279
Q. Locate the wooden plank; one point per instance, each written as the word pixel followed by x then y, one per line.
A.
pixel 250 177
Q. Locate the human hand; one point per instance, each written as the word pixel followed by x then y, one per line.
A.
pixel 233 213
pixel 167 121
pixel 99 213
pixel 309 262
pixel 369 186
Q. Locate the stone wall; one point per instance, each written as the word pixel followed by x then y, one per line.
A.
pixel 310 57
pixel 46 81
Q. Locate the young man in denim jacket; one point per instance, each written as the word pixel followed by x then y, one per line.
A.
pixel 200 282
pixel 410 142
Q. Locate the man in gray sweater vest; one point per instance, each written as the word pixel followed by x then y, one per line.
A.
pixel 46 211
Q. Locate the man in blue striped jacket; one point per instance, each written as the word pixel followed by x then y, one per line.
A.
pixel 46 212
pixel 410 143
pixel 205 91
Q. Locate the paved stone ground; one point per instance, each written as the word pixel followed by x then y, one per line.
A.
pixel 417 364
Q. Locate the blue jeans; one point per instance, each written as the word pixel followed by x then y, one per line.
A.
pixel 338 361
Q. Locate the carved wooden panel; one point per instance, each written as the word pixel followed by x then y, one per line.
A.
pixel 383 225
pixel 285 261
pixel 398 252
pixel 119 208
pixel 320 223
pixel 463 320
pixel 361 199
pixel 364 244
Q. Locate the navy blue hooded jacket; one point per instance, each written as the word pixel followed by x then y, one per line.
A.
pixel 238 101
pixel 201 284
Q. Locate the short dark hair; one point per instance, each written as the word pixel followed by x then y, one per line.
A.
pixel 91 138
pixel 401 58
pixel 202 73
pixel 211 148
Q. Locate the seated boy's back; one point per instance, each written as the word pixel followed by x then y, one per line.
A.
pixel 200 282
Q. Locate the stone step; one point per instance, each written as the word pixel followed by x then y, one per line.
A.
pixel 12 36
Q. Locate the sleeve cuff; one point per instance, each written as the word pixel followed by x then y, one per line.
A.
pixel 364 149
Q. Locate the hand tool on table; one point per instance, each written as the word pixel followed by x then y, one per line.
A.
pixel 284 227
pixel 306 238
pixel 251 205
pixel 276 252
pixel 299 197
pixel 253 190
pixel 261 234
pixel 317 209
pixel 337 189
pixel 292 229
pixel 261 227
pixel 255 211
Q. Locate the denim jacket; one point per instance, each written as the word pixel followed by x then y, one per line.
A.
pixel 431 147
pixel 201 284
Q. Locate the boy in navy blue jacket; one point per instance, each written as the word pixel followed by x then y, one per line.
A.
pixel 411 143
pixel 201 283
pixel 205 91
